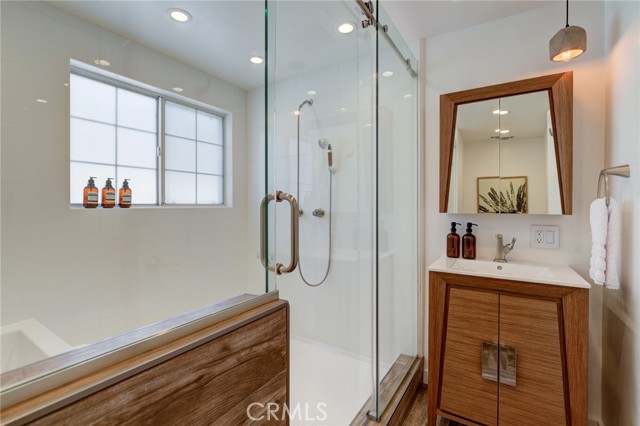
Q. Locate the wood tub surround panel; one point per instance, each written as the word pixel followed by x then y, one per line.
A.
pixel 212 383
pixel 547 325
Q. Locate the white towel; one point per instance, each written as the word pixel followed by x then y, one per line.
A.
pixel 614 231
pixel 599 224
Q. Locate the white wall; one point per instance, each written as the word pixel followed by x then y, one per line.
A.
pixel 621 315
pixel 467 59
pixel 91 274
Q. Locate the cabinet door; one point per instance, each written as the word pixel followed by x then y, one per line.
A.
pixel 471 321
pixel 532 328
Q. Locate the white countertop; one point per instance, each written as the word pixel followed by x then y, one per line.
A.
pixel 517 271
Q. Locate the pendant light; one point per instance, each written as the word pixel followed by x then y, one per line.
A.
pixel 568 43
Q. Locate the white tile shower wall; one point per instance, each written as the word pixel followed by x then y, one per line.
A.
pixel 338 313
pixel 510 49
pixel 88 275
pixel 621 315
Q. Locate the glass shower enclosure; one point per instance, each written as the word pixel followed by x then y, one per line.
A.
pixel 339 235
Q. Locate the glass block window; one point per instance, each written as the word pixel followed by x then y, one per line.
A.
pixel 116 133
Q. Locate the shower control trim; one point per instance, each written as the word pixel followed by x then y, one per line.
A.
pixel 318 213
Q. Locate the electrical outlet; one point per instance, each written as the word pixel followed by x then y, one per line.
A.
pixel 545 236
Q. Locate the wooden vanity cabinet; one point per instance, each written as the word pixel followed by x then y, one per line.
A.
pixel 507 353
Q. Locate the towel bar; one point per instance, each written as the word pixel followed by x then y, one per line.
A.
pixel 622 171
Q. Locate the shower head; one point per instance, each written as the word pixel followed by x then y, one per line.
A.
pixel 305 102
pixel 323 143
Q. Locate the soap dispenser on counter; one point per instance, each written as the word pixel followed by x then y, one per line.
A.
pixel 453 241
pixel 108 195
pixel 90 195
pixel 469 242
pixel 124 200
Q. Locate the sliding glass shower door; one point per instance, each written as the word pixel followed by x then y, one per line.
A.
pixel 339 206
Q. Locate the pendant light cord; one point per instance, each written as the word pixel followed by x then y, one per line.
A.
pixel 567 14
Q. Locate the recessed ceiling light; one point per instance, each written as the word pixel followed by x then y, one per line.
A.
pixel 66 84
pixel 501 112
pixel 179 15
pixel 502 131
pixel 178 89
pixel 42 101
pixel 312 92
pixel 257 59
pixel 346 27
pixel 387 73
pixel 102 62
pixel 408 95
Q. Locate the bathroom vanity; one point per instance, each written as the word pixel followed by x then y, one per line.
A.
pixel 507 344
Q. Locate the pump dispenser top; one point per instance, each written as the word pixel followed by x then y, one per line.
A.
pixel 92 182
pixel 453 241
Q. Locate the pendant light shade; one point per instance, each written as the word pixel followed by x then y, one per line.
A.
pixel 568 43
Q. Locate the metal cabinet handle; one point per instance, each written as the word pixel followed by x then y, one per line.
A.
pixel 507 366
pixel 279 196
pixel 490 361
pixel 499 363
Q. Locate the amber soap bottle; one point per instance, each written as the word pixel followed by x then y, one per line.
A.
pixel 453 241
pixel 469 242
pixel 124 198
pixel 90 196
pixel 108 195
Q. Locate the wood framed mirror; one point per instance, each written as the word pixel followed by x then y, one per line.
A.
pixel 492 134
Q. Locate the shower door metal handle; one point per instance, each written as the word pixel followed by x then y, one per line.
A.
pixel 279 196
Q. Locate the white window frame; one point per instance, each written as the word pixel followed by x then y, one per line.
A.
pixel 87 71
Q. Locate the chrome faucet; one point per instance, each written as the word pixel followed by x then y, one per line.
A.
pixel 503 250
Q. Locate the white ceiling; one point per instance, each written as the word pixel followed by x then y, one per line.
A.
pixel 223 34
pixel 418 19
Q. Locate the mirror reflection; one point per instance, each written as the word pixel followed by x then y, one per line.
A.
pixel 504 158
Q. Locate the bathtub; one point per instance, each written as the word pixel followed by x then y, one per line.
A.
pixel 27 341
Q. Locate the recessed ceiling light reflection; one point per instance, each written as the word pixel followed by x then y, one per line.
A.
pixel 102 62
pixel 312 92
pixel 42 101
pixel 346 27
pixel 407 96
pixel 367 125
pixel 343 109
pixel 179 15
pixel 387 73
pixel 178 89
pixel 257 59
pixel 502 131
pixel 296 112
pixel 501 112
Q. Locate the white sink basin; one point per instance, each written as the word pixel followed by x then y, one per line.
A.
pixel 517 271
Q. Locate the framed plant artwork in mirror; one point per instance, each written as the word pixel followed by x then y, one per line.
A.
pixel 505 195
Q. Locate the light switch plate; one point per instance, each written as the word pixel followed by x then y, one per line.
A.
pixel 545 236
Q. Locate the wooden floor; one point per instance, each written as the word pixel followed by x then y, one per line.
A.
pixel 418 414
